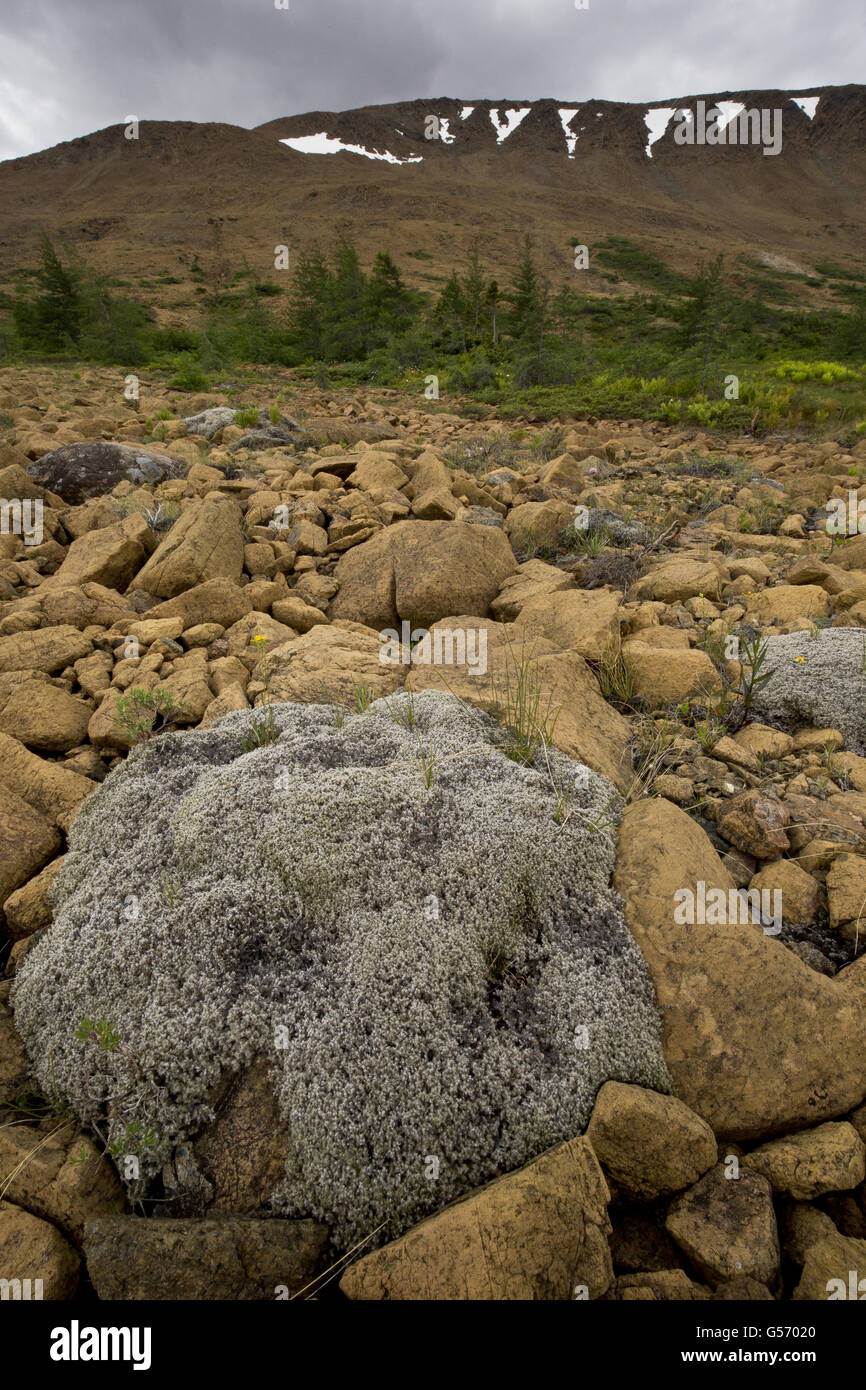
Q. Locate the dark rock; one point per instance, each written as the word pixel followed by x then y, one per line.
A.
pixel 79 471
pixel 133 1257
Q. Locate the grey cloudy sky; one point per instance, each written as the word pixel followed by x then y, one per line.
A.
pixel 73 66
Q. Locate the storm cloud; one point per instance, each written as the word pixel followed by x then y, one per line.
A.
pixel 73 66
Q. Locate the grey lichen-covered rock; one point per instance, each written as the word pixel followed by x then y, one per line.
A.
pixel 209 422
pixel 440 974
pixel 819 680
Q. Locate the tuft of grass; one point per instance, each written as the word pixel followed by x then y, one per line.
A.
pixel 548 444
pixel 170 890
pixel 753 655
pixel 708 733
pixel 617 678
pixel 262 731
pixel 482 453
pixel 653 752
pixel 363 696
pixel 427 759
pixel 616 570
pixel 589 541
pixel 711 466
pixel 405 716
pixel 527 721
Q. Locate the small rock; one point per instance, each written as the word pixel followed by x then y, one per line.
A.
pixel 798 890
pixel 830 1158
pixel 846 895
pixel 727 1227
pixel 755 822
pixel 650 1144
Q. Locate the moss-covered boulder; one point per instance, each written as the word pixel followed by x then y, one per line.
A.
pixel 414 932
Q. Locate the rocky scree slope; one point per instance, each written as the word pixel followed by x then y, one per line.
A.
pixel 161 572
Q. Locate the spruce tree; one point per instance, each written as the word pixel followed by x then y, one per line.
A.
pixel 310 303
pixel 50 321
pixel 474 298
pixel 525 318
pixel 346 333
pixel 389 304
pixel 704 318
pixel 450 315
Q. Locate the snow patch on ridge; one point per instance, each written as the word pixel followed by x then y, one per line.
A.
pixel 657 120
pixel 513 116
pixel 566 116
pixel 730 110
pixel 808 105
pixel 466 112
pixel 322 143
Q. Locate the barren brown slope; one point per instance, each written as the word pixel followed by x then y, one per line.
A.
pixel 219 193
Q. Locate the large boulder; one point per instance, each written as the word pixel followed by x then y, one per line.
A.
pixel 110 556
pixel 831 1158
pixel 206 542
pixel 756 1041
pixel 558 683
pixel 651 1145
pixel 51 789
pixel 35 1257
pixel 60 1176
pixel 788 603
pixel 421 571
pixel 331 664
pixel 82 606
pixel 538 1233
pixel 78 471
pixel 679 578
pixel 531 524
pixel 585 621
pixel 211 422
pixel 215 601
pixel 46 649
pixel 531 581
pixel 727 1227
pixel 27 841
pixel 665 675
pixel 399 917
pixel 236 1259
pixel 42 715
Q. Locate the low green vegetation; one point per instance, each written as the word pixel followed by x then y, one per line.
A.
pixel 716 349
pixel 141 713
